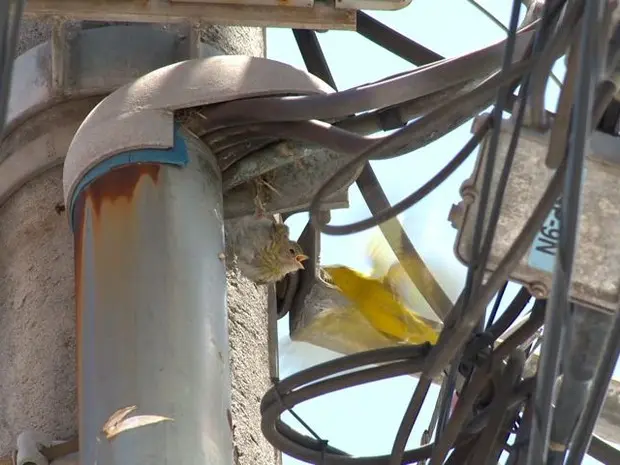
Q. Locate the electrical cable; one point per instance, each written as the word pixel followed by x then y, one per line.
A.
pixel 445 399
pixel 539 78
pixel 478 382
pixel 323 378
pixel 498 23
pixel 415 135
pixel 487 291
pixel 557 308
pixel 388 92
pixel 442 352
pixel 411 413
pixel 394 42
pixel 421 105
pixel 496 304
pixel 395 141
pixel 413 198
pixel 480 257
pixel 456 338
pixel 499 407
pixel 585 339
pixel 477 262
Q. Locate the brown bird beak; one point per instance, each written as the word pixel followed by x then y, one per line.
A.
pixel 300 258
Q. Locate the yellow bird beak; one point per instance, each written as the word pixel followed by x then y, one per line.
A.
pixel 300 258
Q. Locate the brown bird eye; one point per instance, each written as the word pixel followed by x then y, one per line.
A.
pixel 292 251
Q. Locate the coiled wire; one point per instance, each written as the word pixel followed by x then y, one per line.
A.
pixel 478 429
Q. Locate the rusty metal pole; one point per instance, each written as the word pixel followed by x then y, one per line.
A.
pixel 151 303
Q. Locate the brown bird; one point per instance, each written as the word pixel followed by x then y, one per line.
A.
pixel 265 253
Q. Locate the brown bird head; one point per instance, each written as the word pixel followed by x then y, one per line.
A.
pixel 291 256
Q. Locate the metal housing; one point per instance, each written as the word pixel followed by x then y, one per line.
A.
pixel 596 274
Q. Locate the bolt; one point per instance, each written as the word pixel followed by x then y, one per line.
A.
pixel 538 290
pixel 468 193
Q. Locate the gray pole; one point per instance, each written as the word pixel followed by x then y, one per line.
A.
pixel 151 306
pixel 57 83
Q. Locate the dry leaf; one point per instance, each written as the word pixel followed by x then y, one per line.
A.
pixel 117 417
pixel 117 423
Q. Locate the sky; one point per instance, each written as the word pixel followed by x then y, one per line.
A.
pixel 364 420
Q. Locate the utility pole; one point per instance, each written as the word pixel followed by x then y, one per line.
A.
pixel 63 70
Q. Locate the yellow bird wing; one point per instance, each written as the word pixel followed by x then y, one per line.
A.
pixel 381 256
pixel 388 269
pixel 392 272
pixel 380 307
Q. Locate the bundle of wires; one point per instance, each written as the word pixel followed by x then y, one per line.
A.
pixel 498 409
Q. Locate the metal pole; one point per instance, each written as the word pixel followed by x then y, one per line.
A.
pixel 151 302
pixel 592 409
pixel 585 342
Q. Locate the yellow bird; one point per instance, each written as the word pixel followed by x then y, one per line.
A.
pixel 387 268
pixel 374 299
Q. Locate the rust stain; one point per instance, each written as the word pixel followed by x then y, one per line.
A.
pixel 78 241
pixel 119 183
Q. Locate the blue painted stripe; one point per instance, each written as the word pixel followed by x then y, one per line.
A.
pixel 176 155
pixel 544 246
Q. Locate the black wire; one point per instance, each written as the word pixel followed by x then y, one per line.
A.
pixel 557 314
pixel 496 304
pixel 445 402
pixel 445 352
pixel 452 339
pixel 540 77
pixel 435 181
pixel 417 399
pixel 314 59
pixel 492 283
pixel 474 281
pixel 365 367
pixel 393 142
pixel 396 43
pixel 474 273
pixel 539 40
pixel 315 62
pixel 501 185
pixel 301 421
pixel 479 253
pixel 398 139
pixel 320 379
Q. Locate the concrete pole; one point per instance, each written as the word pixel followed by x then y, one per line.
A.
pixel 151 308
pixel 37 319
pixel 37 325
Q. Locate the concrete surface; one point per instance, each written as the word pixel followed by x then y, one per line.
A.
pixel 37 317
pixel 249 360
